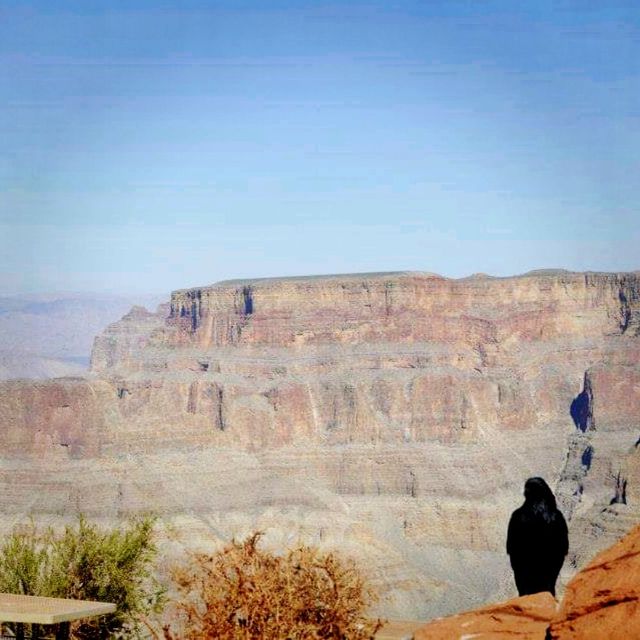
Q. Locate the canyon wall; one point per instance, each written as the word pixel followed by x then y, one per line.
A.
pixel 393 416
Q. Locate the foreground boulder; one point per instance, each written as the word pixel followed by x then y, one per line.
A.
pixel 603 600
pixel 527 618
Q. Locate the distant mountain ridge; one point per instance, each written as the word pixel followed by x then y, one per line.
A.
pixel 51 335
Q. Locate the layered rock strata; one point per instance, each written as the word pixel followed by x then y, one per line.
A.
pixel 395 416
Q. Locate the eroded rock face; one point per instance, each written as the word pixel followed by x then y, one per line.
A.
pixel 395 416
pixel 407 307
pixel 601 601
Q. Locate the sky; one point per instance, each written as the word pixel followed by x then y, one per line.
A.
pixel 152 145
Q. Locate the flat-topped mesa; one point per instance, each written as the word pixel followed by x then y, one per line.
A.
pixel 405 307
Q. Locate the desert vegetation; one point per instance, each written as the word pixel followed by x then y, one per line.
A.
pixel 86 563
pixel 245 592
pixel 240 592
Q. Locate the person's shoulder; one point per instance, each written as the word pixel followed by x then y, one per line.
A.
pixel 519 514
pixel 558 518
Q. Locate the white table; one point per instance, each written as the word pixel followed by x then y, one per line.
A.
pixel 58 611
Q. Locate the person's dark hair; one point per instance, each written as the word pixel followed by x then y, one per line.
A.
pixel 539 496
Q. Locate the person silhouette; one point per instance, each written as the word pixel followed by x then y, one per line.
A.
pixel 537 540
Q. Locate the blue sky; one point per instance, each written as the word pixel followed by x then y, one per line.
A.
pixel 147 146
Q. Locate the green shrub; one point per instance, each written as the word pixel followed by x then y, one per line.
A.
pixel 24 563
pixel 86 563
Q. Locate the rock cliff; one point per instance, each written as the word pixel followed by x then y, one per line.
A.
pixel 601 601
pixel 395 416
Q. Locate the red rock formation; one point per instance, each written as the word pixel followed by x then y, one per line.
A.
pixel 406 307
pixel 603 600
pixel 525 618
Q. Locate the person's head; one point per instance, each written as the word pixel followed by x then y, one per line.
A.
pixel 537 490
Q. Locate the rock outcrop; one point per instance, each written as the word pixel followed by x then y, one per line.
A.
pixel 525 618
pixel 601 601
pixel 395 416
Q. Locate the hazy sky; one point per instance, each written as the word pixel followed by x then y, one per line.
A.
pixel 146 146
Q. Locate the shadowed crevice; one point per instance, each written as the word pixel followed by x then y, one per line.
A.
pixel 247 297
pixel 581 409
pixel 587 457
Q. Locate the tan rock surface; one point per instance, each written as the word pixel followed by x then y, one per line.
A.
pixel 525 618
pixel 398 630
pixel 394 416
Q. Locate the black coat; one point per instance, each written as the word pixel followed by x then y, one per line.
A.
pixel 537 540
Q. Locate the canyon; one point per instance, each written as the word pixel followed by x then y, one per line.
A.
pixel 391 416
